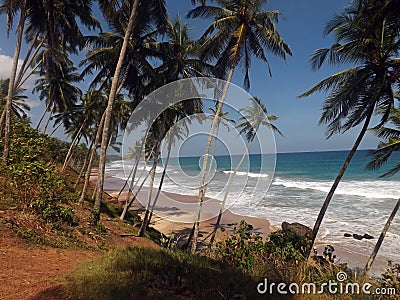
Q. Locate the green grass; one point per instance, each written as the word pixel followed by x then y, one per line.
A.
pixel 145 273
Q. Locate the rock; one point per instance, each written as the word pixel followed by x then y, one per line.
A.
pixel 357 236
pixel 347 235
pixel 368 237
pixel 297 228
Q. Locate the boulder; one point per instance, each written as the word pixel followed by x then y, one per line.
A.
pixel 297 228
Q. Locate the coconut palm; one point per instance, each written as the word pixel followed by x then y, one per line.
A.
pixel 253 117
pixel 153 140
pixel 240 30
pixel 225 121
pixel 156 12
pixel 176 132
pixel 11 8
pixel 134 154
pixel 57 87
pixel 179 61
pixel 103 56
pixel 58 24
pixel 355 93
pixel 179 54
pixel 18 105
pixel 79 119
pixel 119 120
pixel 391 144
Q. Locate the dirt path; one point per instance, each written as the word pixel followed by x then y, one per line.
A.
pixel 28 270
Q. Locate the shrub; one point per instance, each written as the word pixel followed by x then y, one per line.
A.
pixel 243 249
pixel 287 246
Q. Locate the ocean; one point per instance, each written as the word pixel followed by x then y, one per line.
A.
pixel 295 191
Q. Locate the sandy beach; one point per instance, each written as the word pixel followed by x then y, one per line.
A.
pixel 175 213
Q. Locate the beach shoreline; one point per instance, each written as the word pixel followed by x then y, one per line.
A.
pixel 175 213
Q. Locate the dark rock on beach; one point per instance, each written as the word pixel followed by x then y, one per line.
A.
pixel 368 237
pixel 297 228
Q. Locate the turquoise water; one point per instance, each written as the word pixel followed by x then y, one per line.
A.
pixel 294 191
pixel 308 165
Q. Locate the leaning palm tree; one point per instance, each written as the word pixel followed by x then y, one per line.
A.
pixel 385 149
pixel 176 132
pixel 225 121
pixel 355 93
pixel 253 117
pixel 134 154
pixel 11 7
pixel 240 30
pixel 156 11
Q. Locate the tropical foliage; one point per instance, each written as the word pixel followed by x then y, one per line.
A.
pixel 141 49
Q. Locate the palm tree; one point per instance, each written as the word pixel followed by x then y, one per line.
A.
pixel 225 121
pixel 239 31
pixel 56 23
pixel 79 120
pixel 385 149
pixel 371 44
pixel 177 131
pixel 18 105
pixel 253 117
pixel 57 86
pixel 153 140
pixel 155 10
pixel 179 54
pixel 11 7
pixel 134 154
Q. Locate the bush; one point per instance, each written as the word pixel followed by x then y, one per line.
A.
pixel 35 181
pixel 53 213
pixel 243 249
pixel 287 246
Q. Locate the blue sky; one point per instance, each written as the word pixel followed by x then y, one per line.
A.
pixel 302 28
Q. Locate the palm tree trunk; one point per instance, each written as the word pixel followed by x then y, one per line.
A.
pixel 228 186
pixel 213 152
pixel 90 164
pixel 97 202
pixel 129 177
pixel 2 118
pixel 159 186
pixel 42 116
pixel 203 186
pixel 74 141
pixel 129 204
pixel 338 178
pixel 84 166
pixel 142 229
pixel 48 120
pixel 55 129
pixel 68 157
pixel 108 111
pixel 10 94
pixel 25 65
pixel 381 237
pixel 133 172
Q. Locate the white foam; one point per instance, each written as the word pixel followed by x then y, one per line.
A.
pixel 248 174
pixel 377 189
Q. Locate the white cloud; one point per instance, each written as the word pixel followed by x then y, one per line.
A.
pixel 5 70
pixel 6 65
